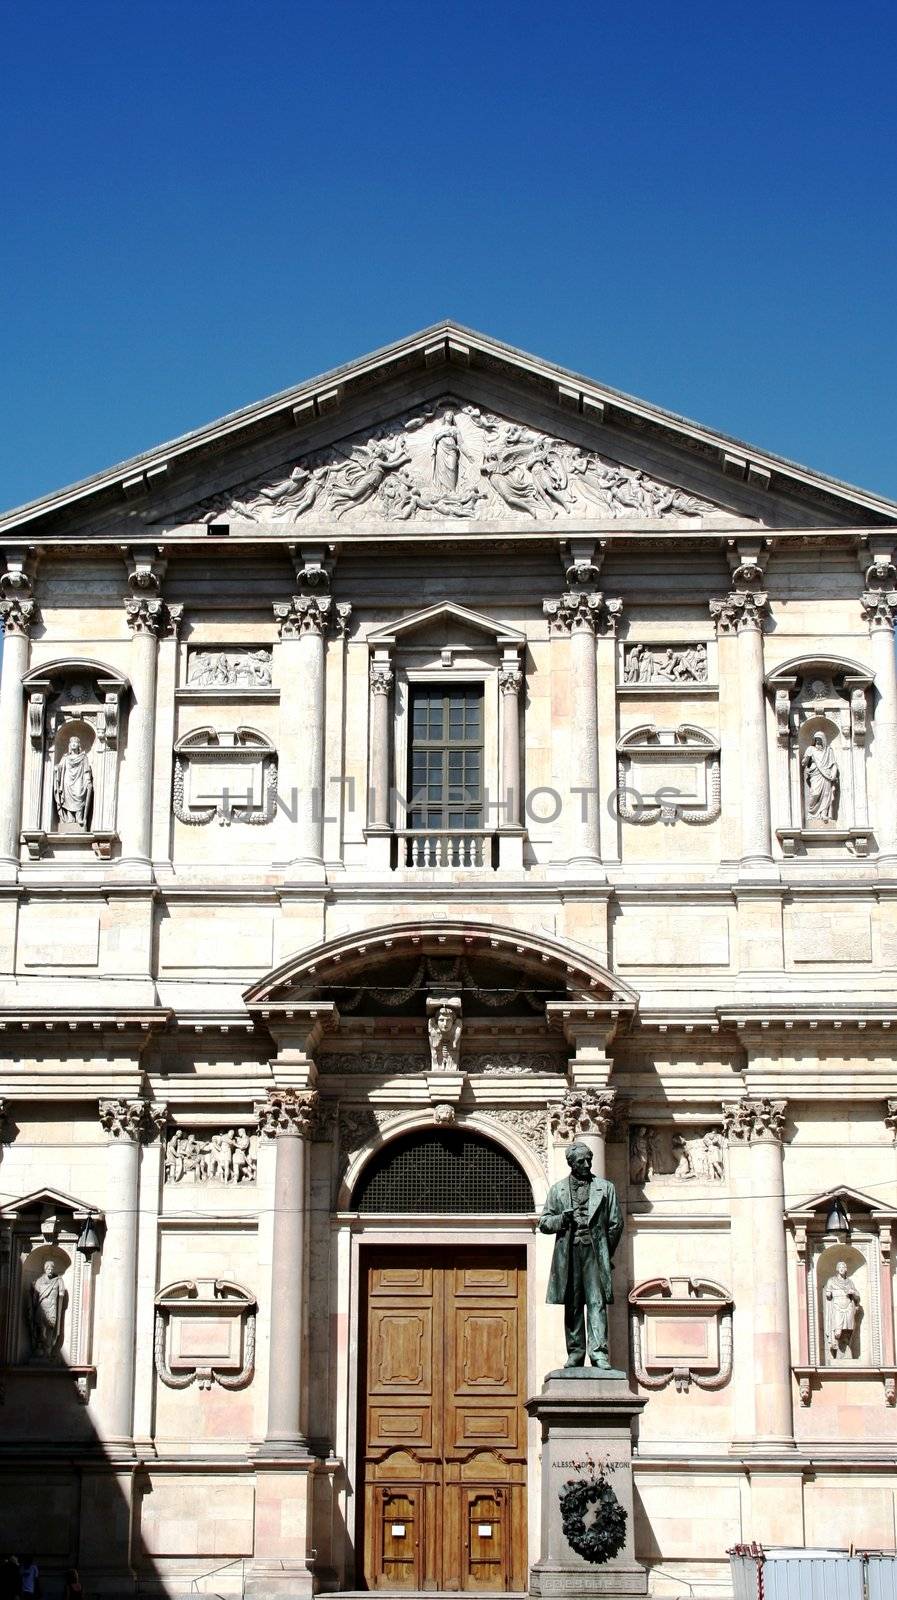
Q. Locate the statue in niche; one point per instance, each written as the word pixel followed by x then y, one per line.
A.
pixel 444 1032
pixel 73 785
pixel 583 1213
pixel 842 1303
pixel 821 780
pixel 46 1302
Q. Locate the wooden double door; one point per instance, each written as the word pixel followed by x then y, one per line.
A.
pixel 442 1425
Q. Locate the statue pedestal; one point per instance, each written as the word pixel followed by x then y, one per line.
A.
pixel 586 1416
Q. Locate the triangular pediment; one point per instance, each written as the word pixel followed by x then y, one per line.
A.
pixel 449 617
pixel 51 1200
pixel 451 461
pixel 448 430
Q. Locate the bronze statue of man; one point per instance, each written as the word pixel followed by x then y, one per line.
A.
pixel 584 1214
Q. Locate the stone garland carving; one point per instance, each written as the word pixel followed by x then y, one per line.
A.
pixel 502 1064
pixel 444 1027
pixel 656 1153
pixel 381 1065
pixel 244 749
pixel 514 1063
pixel 229 669
pixel 696 1297
pixel 583 1111
pixel 650 745
pixel 194 1301
pixel 454 973
pixel 665 664
pixel 750 1121
pixel 357 1125
pixel 452 461
pixel 289 1111
pixel 225 1157
pixel 137 1120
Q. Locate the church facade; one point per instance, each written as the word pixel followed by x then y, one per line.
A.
pixel 439 763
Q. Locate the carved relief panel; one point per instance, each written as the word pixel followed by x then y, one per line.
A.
pixel 668 774
pixel 75 710
pixel 821 727
pixel 676 1155
pixel 667 666
pixel 228 1155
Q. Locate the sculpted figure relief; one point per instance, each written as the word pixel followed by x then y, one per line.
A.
pixel 583 1213
pixel 444 1032
pixel 227 669
pixel 665 664
pixel 453 461
pixel 821 780
pixel 46 1302
pixel 73 785
pixel 225 1157
pixel 842 1303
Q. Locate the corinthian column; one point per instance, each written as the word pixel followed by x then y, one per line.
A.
pixel 741 613
pixel 126 1124
pixel 18 612
pixel 759 1244
pixel 288 1118
pixel 880 610
pixel 147 616
pixel 381 681
pixel 579 615
pixel 303 621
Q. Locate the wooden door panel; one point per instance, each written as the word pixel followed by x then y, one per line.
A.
pixel 442 1421
pixel 401 1350
pixel 485 1350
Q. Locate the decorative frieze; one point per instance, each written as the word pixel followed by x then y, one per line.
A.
pixel 530 1125
pixel 289 1111
pixel 665 665
pixel 136 1121
pixel 229 669
pixel 228 1156
pixel 749 1121
pixel 675 1156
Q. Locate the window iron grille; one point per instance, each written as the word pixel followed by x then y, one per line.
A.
pixel 440 1171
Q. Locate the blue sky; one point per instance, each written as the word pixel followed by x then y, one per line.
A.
pixel 204 203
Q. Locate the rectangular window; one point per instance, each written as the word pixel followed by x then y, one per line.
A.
pixel 445 768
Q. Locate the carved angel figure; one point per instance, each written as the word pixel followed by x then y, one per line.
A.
pixel 842 1302
pixel 365 471
pixel 444 1031
pixel 642 1155
pixel 821 780
pixel 46 1302
pixel 73 785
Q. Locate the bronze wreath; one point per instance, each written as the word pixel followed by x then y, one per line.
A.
pixel 605 1535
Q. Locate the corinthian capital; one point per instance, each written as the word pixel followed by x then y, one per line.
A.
pixel 303 613
pixel 146 613
pixel 582 611
pixel 879 608
pixel 18 613
pixel 741 611
pixel 582 1111
pixel 292 1111
pixel 132 1120
pixel 510 679
pixel 381 679
pixel 749 1121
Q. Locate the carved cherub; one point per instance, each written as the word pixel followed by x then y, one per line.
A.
pixel 444 1031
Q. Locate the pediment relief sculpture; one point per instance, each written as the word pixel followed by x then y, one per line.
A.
pixel 452 461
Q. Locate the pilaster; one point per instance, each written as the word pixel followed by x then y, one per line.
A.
pixel 18 614
pixel 742 613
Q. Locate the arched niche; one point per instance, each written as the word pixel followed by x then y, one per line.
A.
pixel 40 1343
pixel 48 1226
pixel 852 1344
pixel 821 704
pixel 72 700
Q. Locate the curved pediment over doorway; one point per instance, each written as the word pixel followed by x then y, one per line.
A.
pixel 493 965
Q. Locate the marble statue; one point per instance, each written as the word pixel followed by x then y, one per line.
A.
pixel 821 780
pixel 444 1032
pixel 842 1302
pixel 583 1213
pixel 46 1302
pixel 73 785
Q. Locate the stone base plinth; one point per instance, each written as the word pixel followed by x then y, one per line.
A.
pixel 586 1418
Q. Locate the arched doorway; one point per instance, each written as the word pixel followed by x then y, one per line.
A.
pixel 442 1370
